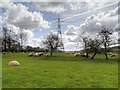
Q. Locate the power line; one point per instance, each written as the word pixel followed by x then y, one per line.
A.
pixel 89 11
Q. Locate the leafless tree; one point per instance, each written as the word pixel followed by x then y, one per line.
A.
pixel 8 39
pixel 22 38
pixel 105 35
pixel 84 38
pixel 94 46
pixel 52 43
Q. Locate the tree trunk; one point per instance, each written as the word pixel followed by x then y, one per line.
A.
pixel 5 47
pixel 9 44
pixel 51 52
pixel 93 55
pixel 87 55
pixel 106 56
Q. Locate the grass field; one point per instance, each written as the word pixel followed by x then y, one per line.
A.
pixel 60 71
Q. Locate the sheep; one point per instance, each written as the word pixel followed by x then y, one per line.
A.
pixel 113 55
pixel 36 54
pixel 31 54
pixel 76 54
pixel 14 63
pixel 4 52
pixel 110 53
pixel 41 53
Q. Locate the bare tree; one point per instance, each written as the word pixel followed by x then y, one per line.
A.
pixel 22 37
pixel 52 43
pixel 8 38
pixel 105 35
pixel 94 45
pixel 84 38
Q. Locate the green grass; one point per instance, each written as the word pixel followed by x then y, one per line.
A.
pixel 60 71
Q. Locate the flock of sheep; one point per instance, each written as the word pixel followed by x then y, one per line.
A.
pixel 36 54
pixel 112 54
pixel 16 63
pixel 79 54
pixel 84 54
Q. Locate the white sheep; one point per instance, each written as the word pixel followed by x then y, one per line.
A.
pixel 31 54
pixel 13 63
pixel 36 54
pixel 41 53
pixel 76 54
pixel 113 55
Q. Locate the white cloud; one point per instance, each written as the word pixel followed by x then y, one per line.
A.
pixel 72 30
pixel 94 22
pixel 28 33
pixel 13 28
pixel 4 3
pixel 60 7
pixel 56 7
pixel 86 6
pixel 16 30
pixel 19 15
pixel 36 42
pixel 0 19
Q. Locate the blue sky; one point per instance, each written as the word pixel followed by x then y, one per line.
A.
pixel 75 15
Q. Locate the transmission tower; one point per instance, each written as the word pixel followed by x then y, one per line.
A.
pixel 59 32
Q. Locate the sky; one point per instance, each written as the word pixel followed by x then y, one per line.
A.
pixel 38 19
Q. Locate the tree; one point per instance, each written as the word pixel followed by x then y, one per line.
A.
pixel 105 35
pixel 22 37
pixel 52 43
pixel 4 38
pixel 84 37
pixel 9 40
pixel 94 45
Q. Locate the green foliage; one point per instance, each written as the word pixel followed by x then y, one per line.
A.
pixel 59 71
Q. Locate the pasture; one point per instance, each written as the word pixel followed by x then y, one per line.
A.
pixel 59 71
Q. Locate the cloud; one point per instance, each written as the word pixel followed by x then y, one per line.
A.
pixel 4 3
pixel 36 42
pixel 72 30
pixel 94 22
pixel 60 7
pixel 55 7
pixel 28 33
pixel 16 30
pixel 19 15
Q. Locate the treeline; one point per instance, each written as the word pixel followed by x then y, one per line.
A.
pixel 11 41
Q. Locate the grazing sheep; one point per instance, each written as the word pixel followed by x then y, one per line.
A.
pixel 4 52
pixel 110 53
pixel 36 54
pixel 31 54
pixel 13 63
pixel 83 55
pixel 113 55
pixel 41 53
pixel 76 54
